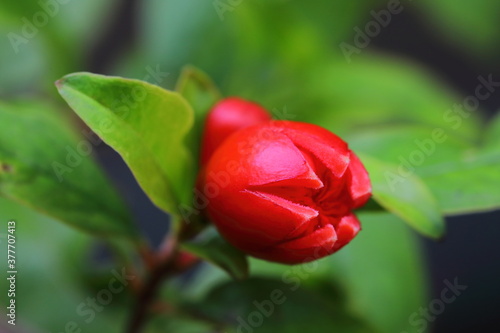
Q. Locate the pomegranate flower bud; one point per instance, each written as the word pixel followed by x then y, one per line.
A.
pixel 184 261
pixel 228 116
pixel 286 191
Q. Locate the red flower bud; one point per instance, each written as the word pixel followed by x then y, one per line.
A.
pixel 286 191
pixel 184 261
pixel 226 117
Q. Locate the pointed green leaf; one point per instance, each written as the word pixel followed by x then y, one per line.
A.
pixel 469 184
pixel 199 90
pixel 463 177
pixel 145 124
pixel 210 246
pixel 407 197
pixel 397 144
pixel 45 166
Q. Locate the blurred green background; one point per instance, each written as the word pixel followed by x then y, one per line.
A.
pixel 397 80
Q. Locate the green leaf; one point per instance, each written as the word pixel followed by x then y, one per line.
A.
pixel 210 246
pixel 177 323
pixel 461 176
pixel 255 55
pixel 406 144
pixel 45 166
pixel 369 92
pixel 407 197
pixel 201 93
pixel 469 184
pixel 56 260
pixel 384 262
pixel 273 305
pixel 145 124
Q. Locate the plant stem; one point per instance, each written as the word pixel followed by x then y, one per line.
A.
pixel 147 294
pixel 160 266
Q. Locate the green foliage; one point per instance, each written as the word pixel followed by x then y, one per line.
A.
pixel 210 246
pixel 201 93
pixel 386 253
pixel 491 140
pixel 469 184
pixel 178 323
pixel 461 175
pixel 382 263
pixel 149 132
pixel 470 24
pixel 379 90
pixel 284 55
pixel 411 126
pixel 37 51
pixel 385 141
pixel 271 305
pixel 44 165
pixel 145 124
pixel 50 260
pixel 408 197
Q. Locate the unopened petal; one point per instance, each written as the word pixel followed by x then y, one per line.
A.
pixel 276 159
pixel 360 187
pixel 331 150
pixel 347 229
pixel 314 246
pixel 324 237
pixel 255 220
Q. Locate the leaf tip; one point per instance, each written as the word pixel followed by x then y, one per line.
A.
pixel 440 234
pixel 59 83
pixel 67 79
